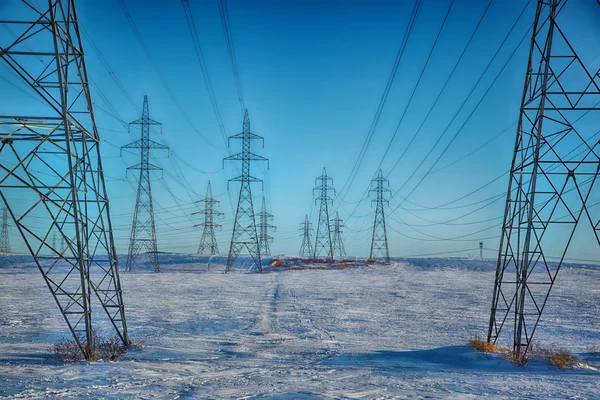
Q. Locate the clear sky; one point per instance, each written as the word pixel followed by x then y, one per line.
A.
pixel 312 74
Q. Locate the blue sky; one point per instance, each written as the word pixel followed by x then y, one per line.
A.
pixel 312 74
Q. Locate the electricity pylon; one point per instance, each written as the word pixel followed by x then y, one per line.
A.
pixel 51 164
pixel 338 244
pixel 208 242
pixel 306 248
pixel 264 227
pixel 379 241
pixel 554 168
pixel 4 237
pixel 481 250
pixel 143 233
pixel 244 227
pixel 323 239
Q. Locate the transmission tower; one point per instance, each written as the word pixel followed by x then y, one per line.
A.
pixel 306 248
pixel 481 250
pixel 263 229
pixel 143 232
pixel 323 240
pixel 4 238
pixel 244 227
pixel 379 242
pixel 57 135
pixel 338 245
pixel 208 243
pixel 554 168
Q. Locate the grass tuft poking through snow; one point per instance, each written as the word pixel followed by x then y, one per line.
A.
pixel 559 357
pixel 102 348
pixel 484 346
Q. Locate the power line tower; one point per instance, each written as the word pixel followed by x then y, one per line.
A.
pixel 143 232
pixel 481 250
pixel 379 242
pixel 323 239
pixel 4 237
pixel 306 248
pixel 57 135
pixel 208 243
pixel 263 229
pixel 338 245
pixel 244 227
pixel 554 168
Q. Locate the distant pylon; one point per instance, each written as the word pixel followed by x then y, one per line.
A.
pixel 52 167
pixel 4 237
pixel 323 240
pixel 244 227
pixel 481 250
pixel 54 243
pixel 263 229
pixel 208 243
pixel 338 244
pixel 143 232
pixel 306 248
pixel 554 169
pixel 379 241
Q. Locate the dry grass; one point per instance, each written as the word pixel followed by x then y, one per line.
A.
pixel 484 346
pixel 559 357
pixel 102 348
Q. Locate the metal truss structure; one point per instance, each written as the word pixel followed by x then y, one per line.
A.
pixel 264 226
pixel 51 176
pixel 554 169
pixel 323 240
pixel 337 244
pixel 143 232
pixel 208 242
pixel 244 227
pixel 306 249
pixel 379 242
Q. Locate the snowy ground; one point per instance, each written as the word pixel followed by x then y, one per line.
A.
pixel 368 333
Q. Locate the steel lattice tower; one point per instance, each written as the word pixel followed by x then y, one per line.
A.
pixel 244 227
pixel 58 136
pixel 4 237
pixel 263 229
pixel 143 232
pixel 379 242
pixel 306 248
pixel 338 244
pixel 208 243
pixel 554 168
pixel 481 250
pixel 323 238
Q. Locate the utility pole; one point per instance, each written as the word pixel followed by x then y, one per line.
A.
pixel 208 243
pixel 323 240
pixel 4 237
pixel 143 233
pixel 550 183
pixel 57 135
pixel 338 245
pixel 306 248
pixel 379 241
pixel 263 229
pixel 244 227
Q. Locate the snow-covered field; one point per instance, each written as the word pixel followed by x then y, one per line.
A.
pixel 366 333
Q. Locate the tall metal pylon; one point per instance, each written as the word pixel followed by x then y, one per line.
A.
pixel 481 250
pixel 306 249
pixel 208 242
pixel 379 242
pixel 51 175
pixel 338 244
pixel 244 227
pixel 4 236
pixel 143 232
pixel 264 226
pixel 323 240
pixel 554 168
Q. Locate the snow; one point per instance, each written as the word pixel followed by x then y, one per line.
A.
pixel 376 332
